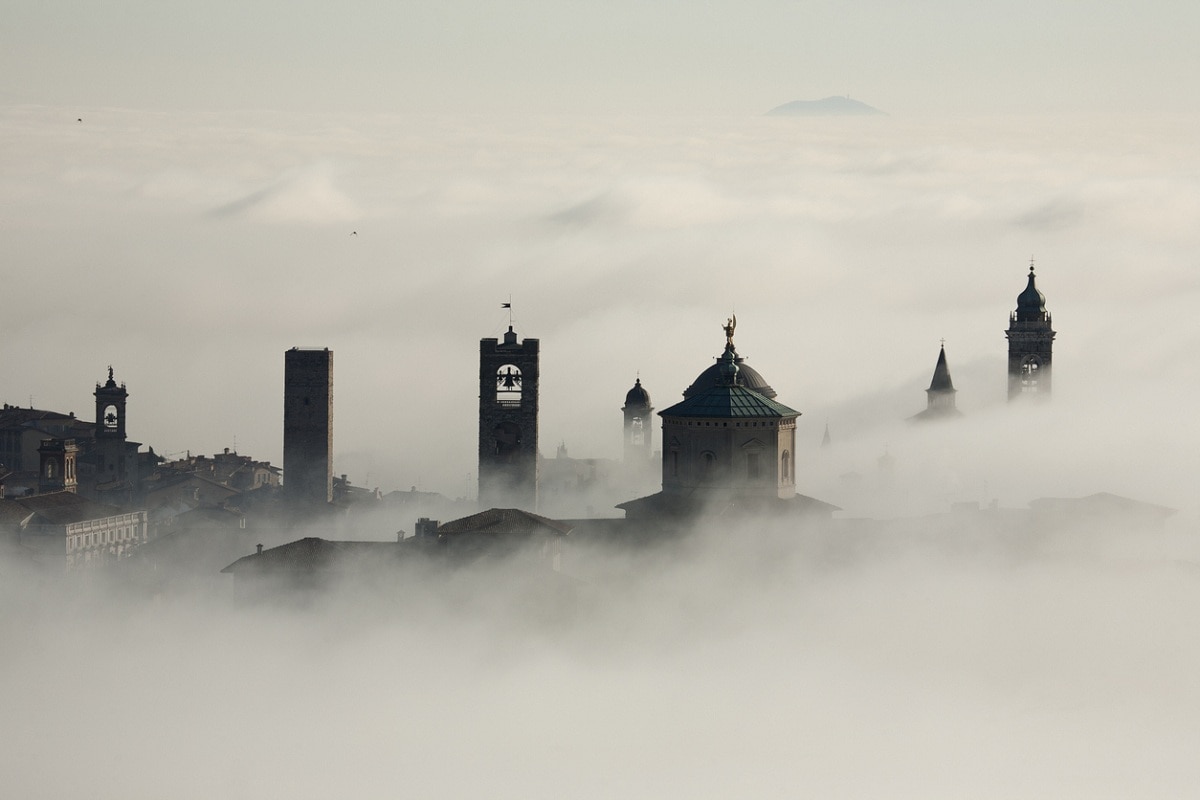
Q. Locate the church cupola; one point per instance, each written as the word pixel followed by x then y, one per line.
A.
pixel 746 375
pixel 727 438
pixel 1030 343
pixel 1031 303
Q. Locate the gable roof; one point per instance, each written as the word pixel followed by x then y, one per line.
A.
pixel 662 504
pixel 504 521
pixel 311 554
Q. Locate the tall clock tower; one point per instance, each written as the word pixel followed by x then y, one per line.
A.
pixel 508 422
pixel 1030 344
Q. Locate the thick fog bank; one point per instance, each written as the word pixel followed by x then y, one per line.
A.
pixel 737 662
pixel 847 248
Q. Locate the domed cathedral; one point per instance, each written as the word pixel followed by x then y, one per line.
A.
pixel 638 430
pixel 1030 341
pixel 508 422
pixel 728 446
pixel 939 397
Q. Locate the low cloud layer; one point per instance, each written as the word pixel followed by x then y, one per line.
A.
pixel 848 249
pixel 744 660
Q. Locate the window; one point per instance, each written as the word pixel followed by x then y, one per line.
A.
pixel 753 468
pixel 785 465
pixel 1030 368
pixel 637 433
pixel 508 385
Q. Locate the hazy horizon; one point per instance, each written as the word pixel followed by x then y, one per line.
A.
pixel 190 250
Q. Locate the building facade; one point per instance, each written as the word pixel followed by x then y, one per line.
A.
pixel 57 472
pixel 65 529
pixel 308 427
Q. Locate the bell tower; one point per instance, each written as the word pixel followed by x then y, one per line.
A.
pixel 1030 342
pixel 110 409
pixel 508 422
pixel 638 429
pixel 109 456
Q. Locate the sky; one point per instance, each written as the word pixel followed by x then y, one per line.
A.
pixel 180 184
pixel 530 56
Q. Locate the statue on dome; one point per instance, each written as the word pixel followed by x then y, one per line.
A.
pixel 728 327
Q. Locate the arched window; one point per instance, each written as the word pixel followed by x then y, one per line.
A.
pixel 508 385
pixel 110 417
pixel 708 465
pixel 51 468
pixel 1030 368
pixel 785 466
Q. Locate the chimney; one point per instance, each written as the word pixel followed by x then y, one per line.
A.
pixel 259 550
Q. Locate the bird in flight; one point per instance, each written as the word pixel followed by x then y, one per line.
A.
pixel 354 233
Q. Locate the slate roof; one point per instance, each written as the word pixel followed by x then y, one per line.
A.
pixel 1101 503
pixel 729 402
pixel 63 508
pixel 312 554
pixel 504 520
pixel 662 504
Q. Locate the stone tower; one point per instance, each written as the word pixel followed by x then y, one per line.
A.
pixel 308 426
pixel 56 472
pixel 1030 341
pixel 939 397
pixel 638 438
pixel 109 452
pixel 508 422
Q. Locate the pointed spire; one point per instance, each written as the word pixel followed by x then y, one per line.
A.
pixel 825 440
pixel 941 374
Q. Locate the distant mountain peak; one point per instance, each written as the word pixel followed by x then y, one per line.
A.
pixel 836 106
